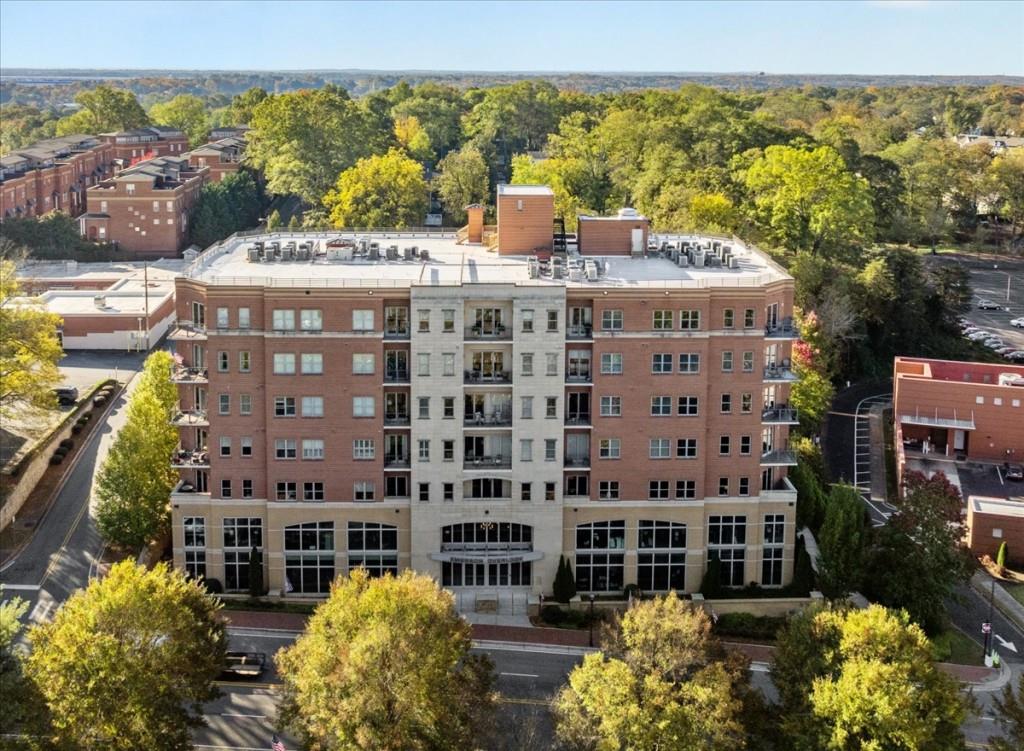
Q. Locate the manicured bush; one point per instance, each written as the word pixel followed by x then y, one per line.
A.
pixel 99 401
pixel 749 626
pixel 213 586
pixel 711 584
pixel 553 614
pixel 564 587
pixel 60 451
pixel 56 459
pixel 632 589
pixel 67 443
pixel 76 428
pixel 1001 555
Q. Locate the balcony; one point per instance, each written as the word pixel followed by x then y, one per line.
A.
pixel 396 333
pixel 577 462
pixel 578 420
pixel 195 418
pixel 190 458
pixel 492 420
pixel 483 378
pixel 495 332
pixel 578 377
pixel 188 487
pixel 186 331
pixel 396 420
pixel 485 547
pixel 784 329
pixel 580 332
pixel 778 458
pixel 483 462
pixel 396 375
pixel 182 374
pixel 780 416
pixel 779 374
pixel 396 461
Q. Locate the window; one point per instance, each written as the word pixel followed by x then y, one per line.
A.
pixel 396 486
pixel 240 536
pixel 726 404
pixel 744 486
pixel 312 363
pixel 550 449
pixel 526 450
pixel 686 448
pixel 599 556
pixel 312 406
pixel 746 403
pixel 423 449
pixel 611 320
pixel 728 318
pixel 363 406
pixel 549 491
pixel 362 491
pixel 609 448
pixel 284 406
pixel 748 318
pixel 285 448
pixel 374 547
pixel 448 491
pixel 245 404
pixel 661 556
pixel 687 406
pixel 244 361
pixel 423 320
pixel 527 318
pixel 243 318
pixel 771 560
pixel 661 362
pixel 657 490
pixel 552 320
pixel 311 320
pixel 689 362
pixel 448 407
pixel 362 320
pixel 526 491
pixel 312 491
pixel 689 320
pixel 448 363
pixel 550 406
pixel 551 363
pixel 284 363
pixel 724 445
pixel 245 446
pixel 424 407
pixel 611 406
pixel 312 449
pixel 686 490
pixel 225 446
pixel 396 321
pixel 660 448
pixel 224 404
pixel 527 407
pixel 223 361
pixel 727 361
pixel 246 488
pixel 748 361
pixel 423 363
pixel 723 486
pixel 448 450
pixel 661 406
pixel 662 320
pixel 283 320
pixel 287 491
pixel 727 537
pixel 222 318
pixel 527 362
pixel 362 363
pixel 309 557
pixel 608 490
pixel 448 321
pixel 195 535
pixel 611 363
pixel 194 528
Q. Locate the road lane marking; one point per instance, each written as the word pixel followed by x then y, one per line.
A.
pixel 22 587
pixel 520 675
pixel 239 714
pixel 532 702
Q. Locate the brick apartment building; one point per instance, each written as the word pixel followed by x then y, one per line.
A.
pixel 413 400
pixel 145 209
pixel 52 175
pixel 223 156
pixel 139 144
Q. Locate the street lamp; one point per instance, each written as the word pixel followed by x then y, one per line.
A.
pixel 986 627
pixel 592 619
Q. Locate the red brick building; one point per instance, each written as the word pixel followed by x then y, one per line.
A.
pixel 223 157
pixel 138 145
pixel 993 521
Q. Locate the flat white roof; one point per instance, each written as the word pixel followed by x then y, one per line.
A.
pixel 524 190
pixel 451 263
pixel 127 297
pixel 996 506
pixel 163 269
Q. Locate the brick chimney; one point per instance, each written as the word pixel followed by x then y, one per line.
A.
pixel 475 222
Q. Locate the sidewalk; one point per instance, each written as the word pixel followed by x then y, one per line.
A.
pixel 1006 603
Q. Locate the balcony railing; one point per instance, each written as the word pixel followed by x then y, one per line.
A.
pixel 498 461
pixel 395 420
pixel 780 374
pixel 187 331
pixel 494 377
pixel 396 375
pixel 780 416
pixel 399 332
pixel 577 419
pixel 580 331
pixel 182 374
pixel 580 376
pixel 195 418
pixel 190 459
pixel 489 333
pixel 491 420
pixel 485 547
pixel 778 458
pixel 577 461
pixel 396 461
pixel 784 329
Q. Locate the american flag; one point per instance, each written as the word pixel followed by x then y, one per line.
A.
pixel 276 745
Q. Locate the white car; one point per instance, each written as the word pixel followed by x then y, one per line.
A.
pixel 978 336
pixel 987 305
pixel 1017 356
pixel 993 342
pixel 1018 322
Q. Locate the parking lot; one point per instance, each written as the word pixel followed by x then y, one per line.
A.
pixel 990 280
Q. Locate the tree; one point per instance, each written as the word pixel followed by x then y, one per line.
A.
pixel 104 109
pixel 564 586
pixel 384 664
pixel 413 138
pixel 1010 716
pixel 52 236
pixel 187 113
pixel 917 559
pixel 274 220
pixel 842 542
pixel 463 180
pixel 711 582
pixel 226 207
pixel 663 681
pixel 243 105
pixel 812 394
pixel 255 572
pixel 379 191
pixel 128 662
pixel 713 212
pixel 809 200
pixel 1006 181
pixel 22 710
pixel 850 680
pixel 156 379
pixel 29 349
pixel 1001 555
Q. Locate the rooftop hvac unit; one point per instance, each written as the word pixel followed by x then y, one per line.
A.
pixel 100 301
pixel 364 244
pixel 258 245
pixel 274 247
pixel 374 245
pixel 716 246
pixel 534 270
pixel 734 262
pixel 302 254
pixel 374 253
pixel 415 251
pixel 254 255
pixel 392 252
pixel 592 273
pixel 407 253
pixel 425 255
pixel 698 259
pixel 675 256
pixel 333 254
pixel 575 274
pixel 627 213
pixel 286 254
pixel 269 256
pixel 682 261
pixel 290 245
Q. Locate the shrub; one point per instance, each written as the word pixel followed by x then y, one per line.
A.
pixel 213 586
pixel 552 614
pixel 99 401
pixel 86 416
pixel 564 587
pixel 76 428
pixel 711 584
pixel 632 589
pixel 749 626
pixel 56 459
pixel 67 443
pixel 60 451
pixel 1001 556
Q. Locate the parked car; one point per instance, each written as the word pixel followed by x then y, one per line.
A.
pixel 1018 322
pixel 66 395
pixel 987 305
pixel 970 330
pixel 1013 472
pixel 993 343
pixel 1005 349
pixel 242 665
pixel 1017 356
pixel 978 336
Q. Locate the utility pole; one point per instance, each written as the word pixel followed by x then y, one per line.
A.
pixel 986 627
pixel 145 288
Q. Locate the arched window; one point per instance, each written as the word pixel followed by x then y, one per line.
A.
pixel 309 557
pixel 374 547
pixel 486 554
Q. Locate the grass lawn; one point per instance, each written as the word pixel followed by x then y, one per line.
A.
pixel 953 645
pixel 1016 590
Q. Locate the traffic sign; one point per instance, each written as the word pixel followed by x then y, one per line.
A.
pixel 986 628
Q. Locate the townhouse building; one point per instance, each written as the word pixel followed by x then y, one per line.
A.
pixel 139 144
pixel 476 409
pixel 223 156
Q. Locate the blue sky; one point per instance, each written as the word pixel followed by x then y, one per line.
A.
pixel 898 36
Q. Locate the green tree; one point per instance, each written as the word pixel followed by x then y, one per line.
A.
pixel 1010 716
pixel 384 664
pixel 226 207
pixel 128 662
pixel 29 349
pixel 187 113
pixel 1006 181
pixel 52 236
pixel 243 105
pixel 662 681
pixel 274 220
pixel 564 586
pixel 711 582
pixel 812 394
pixel 155 378
pixel 22 712
pixel 529 171
pixel 412 137
pixel 842 542
pixel 104 109
pixel 851 680
pixel 463 180
pixel 918 558
pixel 809 200
pixel 379 191
pixel 713 212
pixel 1001 555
